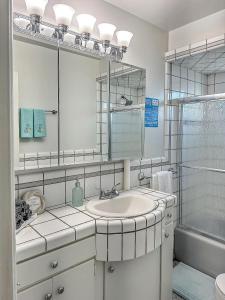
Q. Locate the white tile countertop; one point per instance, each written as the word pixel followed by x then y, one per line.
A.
pixel 64 225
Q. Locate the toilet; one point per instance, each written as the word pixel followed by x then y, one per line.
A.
pixel 220 287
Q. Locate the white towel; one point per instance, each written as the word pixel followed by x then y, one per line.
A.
pixel 155 183
pixel 165 181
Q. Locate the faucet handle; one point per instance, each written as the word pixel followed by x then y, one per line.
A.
pixel 102 194
pixel 115 185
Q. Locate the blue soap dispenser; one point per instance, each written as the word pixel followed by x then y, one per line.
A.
pixel 77 195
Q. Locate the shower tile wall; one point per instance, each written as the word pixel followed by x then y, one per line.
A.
pixel 183 82
pixel 216 83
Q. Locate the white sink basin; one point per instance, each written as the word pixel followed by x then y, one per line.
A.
pixel 124 206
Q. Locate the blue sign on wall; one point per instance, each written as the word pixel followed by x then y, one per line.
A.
pixel 151 112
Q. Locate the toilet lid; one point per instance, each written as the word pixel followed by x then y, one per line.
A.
pixel 220 282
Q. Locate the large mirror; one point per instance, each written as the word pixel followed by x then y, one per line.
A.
pixel 35 93
pixel 73 108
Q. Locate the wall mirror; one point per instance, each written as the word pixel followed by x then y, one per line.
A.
pixel 35 94
pixel 73 108
pixel 127 100
pixel 83 98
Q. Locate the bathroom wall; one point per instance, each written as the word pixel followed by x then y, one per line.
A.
pixel 208 27
pixel 146 50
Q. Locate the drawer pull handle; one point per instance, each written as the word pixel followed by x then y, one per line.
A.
pixel 167 235
pixel 111 269
pixel 54 264
pixel 169 215
pixel 48 297
pixel 60 290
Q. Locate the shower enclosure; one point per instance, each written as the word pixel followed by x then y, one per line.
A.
pixel 196 98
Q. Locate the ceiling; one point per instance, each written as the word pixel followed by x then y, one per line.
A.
pixel 170 14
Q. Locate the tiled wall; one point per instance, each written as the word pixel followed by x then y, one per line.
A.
pixel 183 82
pixel 57 185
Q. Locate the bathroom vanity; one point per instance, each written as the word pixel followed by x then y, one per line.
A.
pixel 69 252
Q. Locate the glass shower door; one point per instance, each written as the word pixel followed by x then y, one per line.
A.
pixel 203 167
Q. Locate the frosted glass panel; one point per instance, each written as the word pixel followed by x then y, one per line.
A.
pixel 203 140
pixel 126 134
pixel 203 170
pixel 203 201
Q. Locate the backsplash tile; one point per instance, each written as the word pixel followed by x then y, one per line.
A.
pixel 57 185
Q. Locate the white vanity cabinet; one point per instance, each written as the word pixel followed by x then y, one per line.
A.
pixel 66 274
pixel 41 291
pixel 134 279
pixel 77 282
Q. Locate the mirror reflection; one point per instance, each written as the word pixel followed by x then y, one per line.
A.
pixel 83 91
pixel 127 98
pixel 35 103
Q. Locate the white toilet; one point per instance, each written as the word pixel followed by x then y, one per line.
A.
pixel 220 287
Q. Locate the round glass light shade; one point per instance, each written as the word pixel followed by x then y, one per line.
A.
pixel 124 38
pixel 36 7
pixel 106 31
pixel 63 14
pixel 86 23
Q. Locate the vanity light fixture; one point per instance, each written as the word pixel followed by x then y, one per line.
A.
pixel 106 31
pixel 82 40
pixel 123 39
pixel 86 25
pixel 36 9
pixel 63 15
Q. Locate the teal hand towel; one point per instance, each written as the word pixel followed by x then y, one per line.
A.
pixel 39 123
pixel 26 123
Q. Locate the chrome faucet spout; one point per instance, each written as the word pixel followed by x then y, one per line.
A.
pixel 110 194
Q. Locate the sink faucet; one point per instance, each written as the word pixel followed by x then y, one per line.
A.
pixel 110 194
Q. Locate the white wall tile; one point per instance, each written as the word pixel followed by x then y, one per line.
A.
pixel 140 243
pixel 150 238
pixel 101 247
pixel 114 247
pixel 55 194
pixel 128 246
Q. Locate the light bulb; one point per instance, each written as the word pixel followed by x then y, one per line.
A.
pixel 36 7
pixel 124 38
pixel 86 23
pixel 63 14
pixel 106 31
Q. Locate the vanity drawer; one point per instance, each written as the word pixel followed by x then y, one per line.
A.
pixel 169 215
pixel 49 264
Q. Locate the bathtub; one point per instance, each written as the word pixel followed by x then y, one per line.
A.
pixel 200 251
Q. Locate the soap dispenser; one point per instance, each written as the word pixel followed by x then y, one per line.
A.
pixel 77 195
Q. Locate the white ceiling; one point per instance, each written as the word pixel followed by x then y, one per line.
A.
pixel 170 14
